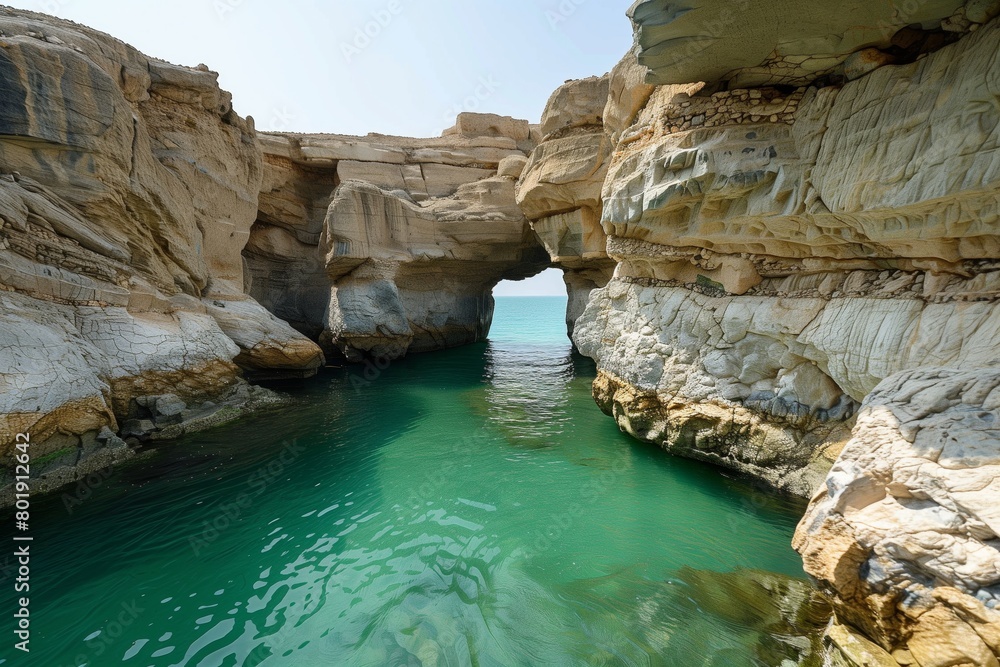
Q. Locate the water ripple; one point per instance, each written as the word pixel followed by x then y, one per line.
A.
pixel 468 507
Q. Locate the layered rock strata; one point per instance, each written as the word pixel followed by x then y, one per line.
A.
pixel 139 216
pixel 780 252
pixel 560 188
pixel 791 43
pixel 789 232
pixel 381 245
pixel 128 188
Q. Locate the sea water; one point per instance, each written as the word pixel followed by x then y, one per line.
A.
pixel 465 507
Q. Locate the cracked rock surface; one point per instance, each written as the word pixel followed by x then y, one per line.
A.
pixel 379 245
pixel 127 190
pixel 904 533
pixel 779 252
pixel 790 42
pixel 802 219
pixel 559 189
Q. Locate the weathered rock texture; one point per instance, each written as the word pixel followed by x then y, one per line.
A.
pixel 381 245
pixel 791 43
pixel 789 232
pixel 905 534
pixel 560 188
pixel 781 252
pixel 139 216
pixel 128 189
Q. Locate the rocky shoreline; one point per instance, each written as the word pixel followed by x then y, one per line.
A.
pixel 782 255
pixel 805 260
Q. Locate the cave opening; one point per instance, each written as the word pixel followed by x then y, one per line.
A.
pixel 547 283
pixel 530 310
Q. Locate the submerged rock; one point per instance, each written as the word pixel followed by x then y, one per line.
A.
pixel 768 618
pixel 800 224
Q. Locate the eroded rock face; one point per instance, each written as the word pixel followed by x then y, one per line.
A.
pixel 128 191
pixel 416 278
pixel 381 245
pixel 783 245
pixel 627 94
pixel 765 284
pixel 560 187
pixel 789 43
pixel 904 533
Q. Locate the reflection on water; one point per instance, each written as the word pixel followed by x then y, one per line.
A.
pixel 470 507
pixel 527 394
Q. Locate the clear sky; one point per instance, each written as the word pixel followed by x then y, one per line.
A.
pixel 356 66
pixel 547 283
pixel 403 67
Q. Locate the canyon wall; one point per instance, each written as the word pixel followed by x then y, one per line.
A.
pixel 158 252
pixel 777 226
pixel 803 219
pixel 128 187
pixel 781 251
pixel 382 245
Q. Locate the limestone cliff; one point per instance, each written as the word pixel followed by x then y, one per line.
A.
pixel 799 212
pixel 140 216
pixel 777 223
pixel 381 245
pixel 128 188
pixel 560 188
pixel 781 251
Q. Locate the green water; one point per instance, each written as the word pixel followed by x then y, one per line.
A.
pixel 468 507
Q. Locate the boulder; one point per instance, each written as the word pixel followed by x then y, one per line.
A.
pixel 578 103
pixel 904 533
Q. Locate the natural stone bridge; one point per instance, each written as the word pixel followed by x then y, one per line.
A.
pixel 781 251
pixel 156 250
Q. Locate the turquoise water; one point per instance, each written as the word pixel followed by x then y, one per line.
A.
pixel 467 507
